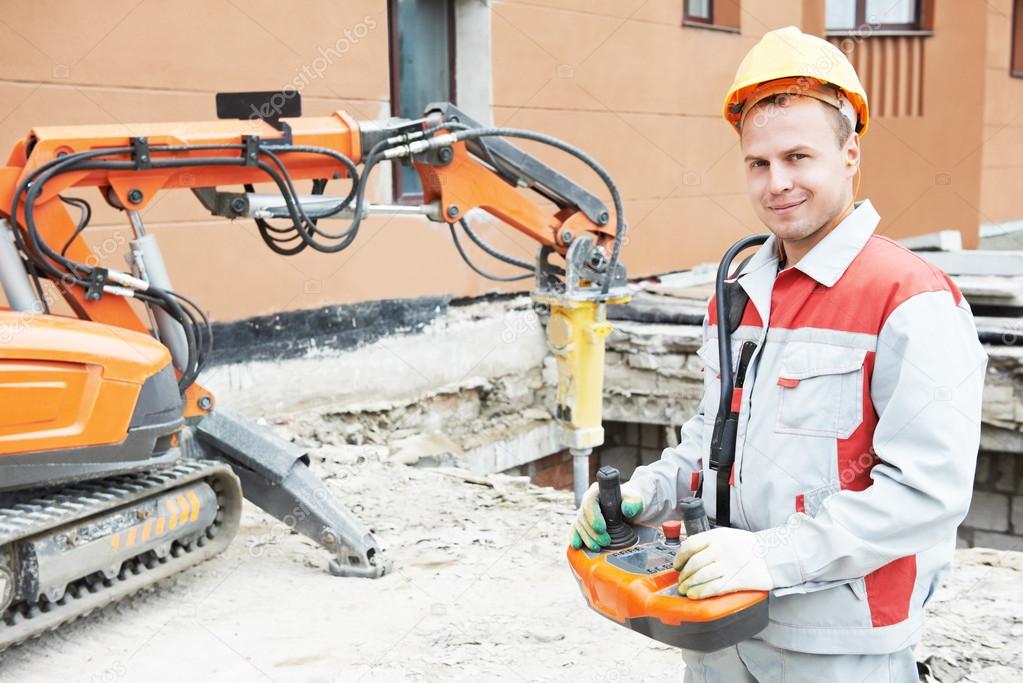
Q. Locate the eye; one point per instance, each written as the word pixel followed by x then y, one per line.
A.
pixel 758 163
pixel 797 156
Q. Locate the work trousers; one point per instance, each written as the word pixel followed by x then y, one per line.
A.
pixel 754 661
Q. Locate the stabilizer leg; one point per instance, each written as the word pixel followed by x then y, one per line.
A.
pixel 275 475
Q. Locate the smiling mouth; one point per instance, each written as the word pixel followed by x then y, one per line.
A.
pixel 786 208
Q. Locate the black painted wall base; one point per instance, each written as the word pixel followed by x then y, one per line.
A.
pixel 293 334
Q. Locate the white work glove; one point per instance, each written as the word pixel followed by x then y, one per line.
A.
pixel 590 528
pixel 722 560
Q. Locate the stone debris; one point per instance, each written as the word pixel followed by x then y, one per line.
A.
pixel 480 591
pixel 434 399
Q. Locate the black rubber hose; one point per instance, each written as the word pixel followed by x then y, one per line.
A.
pixel 299 219
pixel 153 295
pixel 78 164
pixel 490 250
pixel 311 228
pixel 34 184
pixel 724 335
pixel 616 197
pixel 206 346
pixel 83 220
pixel 198 336
pixel 468 262
pixel 163 299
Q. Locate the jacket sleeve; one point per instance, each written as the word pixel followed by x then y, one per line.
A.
pixel 926 388
pixel 661 481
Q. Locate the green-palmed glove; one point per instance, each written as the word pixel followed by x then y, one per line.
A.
pixel 590 528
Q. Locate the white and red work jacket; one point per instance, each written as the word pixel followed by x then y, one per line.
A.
pixel 859 425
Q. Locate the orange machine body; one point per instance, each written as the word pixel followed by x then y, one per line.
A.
pixel 67 383
pixel 637 588
pixel 79 399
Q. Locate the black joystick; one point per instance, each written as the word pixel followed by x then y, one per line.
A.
pixel 610 501
pixel 694 516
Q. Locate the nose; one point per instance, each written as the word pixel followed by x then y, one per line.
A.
pixel 780 180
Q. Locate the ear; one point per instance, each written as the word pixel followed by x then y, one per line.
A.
pixel 851 153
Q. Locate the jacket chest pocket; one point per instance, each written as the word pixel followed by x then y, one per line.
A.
pixel 820 390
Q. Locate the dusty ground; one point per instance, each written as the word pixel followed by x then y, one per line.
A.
pixel 480 591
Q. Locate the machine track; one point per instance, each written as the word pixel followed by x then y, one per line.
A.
pixel 92 523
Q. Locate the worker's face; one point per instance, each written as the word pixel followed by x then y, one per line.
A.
pixel 798 177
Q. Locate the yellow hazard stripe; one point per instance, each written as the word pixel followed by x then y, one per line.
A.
pixel 194 500
pixel 182 509
pixel 172 521
pixel 185 510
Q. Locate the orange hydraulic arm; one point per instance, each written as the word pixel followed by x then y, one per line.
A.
pixel 136 189
pixel 459 170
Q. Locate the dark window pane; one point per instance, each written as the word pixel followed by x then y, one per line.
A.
pixel 698 9
pixel 424 63
pixel 1017 39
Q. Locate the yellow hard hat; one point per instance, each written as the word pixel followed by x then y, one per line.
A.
pixel 798 64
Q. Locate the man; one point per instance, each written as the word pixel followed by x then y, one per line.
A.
pixel 859 419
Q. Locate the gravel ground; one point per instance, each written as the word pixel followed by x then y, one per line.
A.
pixel 479 591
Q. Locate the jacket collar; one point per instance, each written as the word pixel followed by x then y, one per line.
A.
pixel 830 257
pixel 825 263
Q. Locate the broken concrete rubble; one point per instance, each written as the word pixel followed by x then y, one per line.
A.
pixel 481 591
pixel 470 389
pixel 474 389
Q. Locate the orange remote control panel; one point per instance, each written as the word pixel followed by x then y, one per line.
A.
pixel 633 583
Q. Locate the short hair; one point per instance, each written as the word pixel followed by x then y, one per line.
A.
pixel 839 123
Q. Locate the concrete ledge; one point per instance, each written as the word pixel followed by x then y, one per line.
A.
pixel 475 387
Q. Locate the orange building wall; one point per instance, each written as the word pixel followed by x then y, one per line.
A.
pixel 621 79
pixel 625 80
pixel 1002 178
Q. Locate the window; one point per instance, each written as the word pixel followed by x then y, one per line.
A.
pixel 717 14
pixel 1016 68
pixel 874 15
pixel 698 11
pixel 422 68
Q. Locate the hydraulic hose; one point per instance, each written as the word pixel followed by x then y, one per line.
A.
pixel 616 197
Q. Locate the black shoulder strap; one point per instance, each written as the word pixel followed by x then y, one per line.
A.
pixel 737 298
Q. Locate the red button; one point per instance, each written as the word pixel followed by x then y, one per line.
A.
pixel 671 529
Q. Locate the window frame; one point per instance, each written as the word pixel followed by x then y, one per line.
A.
pixel 923 10
pixel 688 18
pixel 400 196
pixel 693 21
pixel 1016 49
